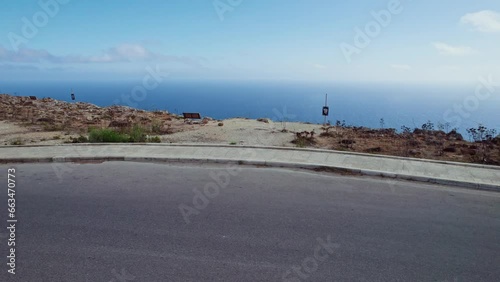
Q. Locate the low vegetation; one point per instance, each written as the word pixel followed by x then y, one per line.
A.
pixel 52 127
pixel 79 139
pixel 107 136
pixel 136 134
pixel 17 142
pixel 157 127
pixel 154 139
pixel 304 139
pixel 428 141
pixel 486 140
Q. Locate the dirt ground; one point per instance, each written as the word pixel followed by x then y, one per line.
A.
pixel 241 131
pixel 234 131
pixel 12 133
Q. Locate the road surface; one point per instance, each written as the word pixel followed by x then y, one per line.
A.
pixel 120 221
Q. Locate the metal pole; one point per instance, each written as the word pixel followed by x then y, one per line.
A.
pixel 326 105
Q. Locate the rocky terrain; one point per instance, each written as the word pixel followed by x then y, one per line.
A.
pixel 50 115
pixel 427 144
pixel 47 121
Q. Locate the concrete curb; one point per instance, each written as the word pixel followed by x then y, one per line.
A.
pixel 203 145
pixel 297 165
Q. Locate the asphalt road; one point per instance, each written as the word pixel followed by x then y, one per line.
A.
pixel 122 221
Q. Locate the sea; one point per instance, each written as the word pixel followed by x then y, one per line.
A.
pixel 358 104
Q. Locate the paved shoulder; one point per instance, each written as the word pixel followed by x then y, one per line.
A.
pixel 121 221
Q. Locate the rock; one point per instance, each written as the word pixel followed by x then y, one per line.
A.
pixel 374 150
pixel 496 140
pixel 388 131
pixel 264 120
pixel 450 149
pixel 439 133
pixel 119 123
pixel 470 152
pixel 166 129
pixel 220 124
pixel 327 134
pixel 415 153
pixel 434 142
pixel 46 119
pixel 454 135
pixel 418 131
pixel 347 142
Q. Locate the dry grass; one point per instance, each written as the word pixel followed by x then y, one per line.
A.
pixel 428 145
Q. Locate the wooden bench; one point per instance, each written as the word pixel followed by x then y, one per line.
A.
pixel 189 118
pixel 191 115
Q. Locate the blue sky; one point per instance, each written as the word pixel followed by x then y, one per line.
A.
pixel 422 41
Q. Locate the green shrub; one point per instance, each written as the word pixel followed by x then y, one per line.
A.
pixel 137 135
pixel 428 126
pixel 154 139
pixel 80 139
pixel 300 143
pixel 156 127
pixel 17 142
pixel 52 127
pixel 304 139
pixel 106 136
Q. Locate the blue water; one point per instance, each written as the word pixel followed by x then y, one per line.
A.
pixel 357 104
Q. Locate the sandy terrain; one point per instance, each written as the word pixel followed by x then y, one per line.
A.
pixel 235 131
pixel 11 133
pixel 242 132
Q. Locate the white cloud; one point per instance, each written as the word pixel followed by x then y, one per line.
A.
pixel 124 52
pixel 450 68
pixel 449 50
pixel 120 53
pixel 401 67
pixel 319 66
pixel 483 21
